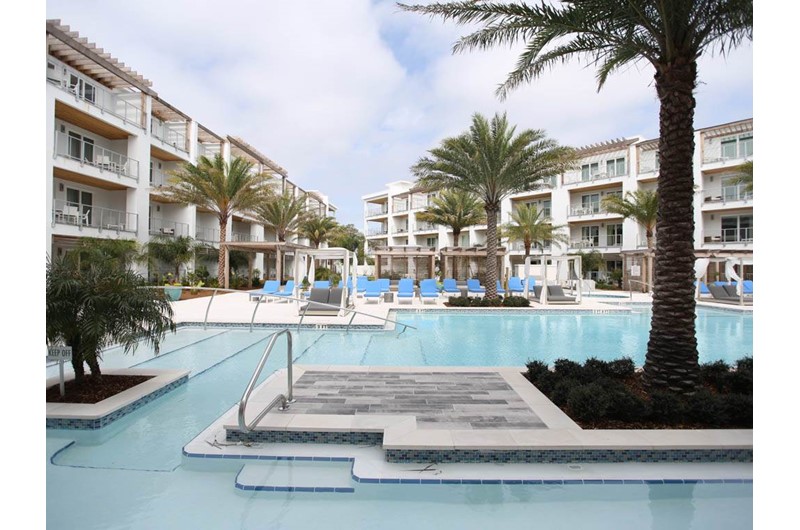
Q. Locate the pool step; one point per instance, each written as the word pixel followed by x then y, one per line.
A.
pixel 296 476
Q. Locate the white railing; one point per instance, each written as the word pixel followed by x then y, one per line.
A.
pixel 83 215
pixel 592 209
pixel 734 192
pixel 207 234
pixel 377 231
pixel 608 242
pixel 85 152
pixel 425 227
pixel 159 178
pixel 579 178
pixel 383 210
pixel 208 150
pixel 400 207
pixel 400 230
pixel 244 238
pixel 737 235
pixel 165 227
pixel 165 132
pixel 95 94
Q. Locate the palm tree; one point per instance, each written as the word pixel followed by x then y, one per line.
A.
pixel 530 226
pixel 457 209
pixel 119 253
pixel 493 162
pixel 642 207
pixel 745 176
pixel 174 251
pixel 222 188
pixel 283 213
pixel 317 229
pixel 91 307
pixel 614 34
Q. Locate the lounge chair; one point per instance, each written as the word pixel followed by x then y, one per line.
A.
pixel 500 289
pixel 322 284
pixel 361 284
pixel 747 285
pixel 703 288
pixel 515 285
pixel 270 287
pixel 474 287
pixel 317 297
pixel 385 284
pixel 428 290
pixel 450 287
pixel 288 291
pixel 721 295
pixel 405 290
pixel 373 291
pixel 556 295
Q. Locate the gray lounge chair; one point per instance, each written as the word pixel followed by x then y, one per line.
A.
pixel 316 297
pixel 720 294
pixel 555 295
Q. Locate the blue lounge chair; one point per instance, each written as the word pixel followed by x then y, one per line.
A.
pixel 405 290
pixel 450 286
pixel 322 284
pixel 385 284
pixel 288 291
pixel 428 290
pixel 747 286
pixel 500 289
pixel 474 287
pixel 373 291
pixel 515 285
pixel 270 287
pixel 703 288
pixel 361 284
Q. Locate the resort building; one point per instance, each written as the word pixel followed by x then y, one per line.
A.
pixel 111 144
pixel 723 213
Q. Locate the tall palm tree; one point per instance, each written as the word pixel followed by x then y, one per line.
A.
pixel 642 207
pixel 283 213
pixel 493 162
pixel 222 188
pixel 614 34
pixel 317 229
pixel 530 226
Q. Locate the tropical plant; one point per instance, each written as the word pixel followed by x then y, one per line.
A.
pixel 530 226
pixel 283 213
pixel 316 229
pixel 349 237
pixel 642 207
pixel 614 34
pixel 455 208
pixel 745 176
pixel 118 253
pixel 92 307
pixel 174 251
pixel 222 188
pixel 493 162
pixel 590 261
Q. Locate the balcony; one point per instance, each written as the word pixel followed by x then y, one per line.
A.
pixel 426 227
pixel 400 230
pixel 519 246
pixel 596 244
pixel 85 152
pixel 400 207
pixel 421 203
pixel 208 150
pixel 382 231
pixel 731 235
pixel 159 178
pixel 244 238
pixel 592 178
pixel 732 193
pixel 382 210
pixel 210 235
pixel 167 133
pixel 97 217
pixel 164 227
pixel 95 94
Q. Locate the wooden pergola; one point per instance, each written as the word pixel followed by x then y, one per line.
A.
pixel 279 248
pixel 394 254
pixel 467 255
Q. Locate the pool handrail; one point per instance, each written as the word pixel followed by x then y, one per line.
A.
pixel 285 399
pixel 630 288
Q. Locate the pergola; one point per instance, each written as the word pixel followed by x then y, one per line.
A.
pixel 349 264
pixel 463 261
pixel 407 261
pixel 279 248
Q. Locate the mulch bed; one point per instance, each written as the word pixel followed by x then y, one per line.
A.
pixel 93 390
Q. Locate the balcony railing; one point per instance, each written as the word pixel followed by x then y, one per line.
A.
pixel 244 238
pixel 159 178
pixel 207 234
pixel 377 231
pixel 578 179
pixel 400 230
pixel 86 152
pixel 167 134
pixel 165 227
pixel 426 227
pixel 606 242
pixel 589 209
pixel 208 150
pixel 732 235
pixel 383 210
pixel 84 215
pixel 71 81
pixel 735 192
pixel 718 156
pixel 399 207
pixel 520 246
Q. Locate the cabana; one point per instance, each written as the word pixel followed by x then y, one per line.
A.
pixel 568 268
pixel 733 276
pixel 279 248
pixel 306 257
pixel 414 262
pixel 465 263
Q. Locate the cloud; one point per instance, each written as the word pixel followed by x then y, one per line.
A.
pixel 347 95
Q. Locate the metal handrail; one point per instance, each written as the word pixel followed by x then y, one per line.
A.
pixel 285 399
pixel 630 289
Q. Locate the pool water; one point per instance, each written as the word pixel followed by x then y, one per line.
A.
pixel 134 473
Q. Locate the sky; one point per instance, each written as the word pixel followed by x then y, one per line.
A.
pixel 348 95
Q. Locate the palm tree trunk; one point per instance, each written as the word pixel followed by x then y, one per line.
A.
pixel 223 227
pixel 77 360
pixel 456 235
pixel 672 362
pixel 648 260
pixel 94 366
pixel 491 251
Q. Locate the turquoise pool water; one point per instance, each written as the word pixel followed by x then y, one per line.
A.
pixel 134 472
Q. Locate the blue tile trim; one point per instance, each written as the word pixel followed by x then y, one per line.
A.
pixel 99 423
pixel 352 438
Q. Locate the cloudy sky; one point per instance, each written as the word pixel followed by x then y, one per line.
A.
pixel 347 95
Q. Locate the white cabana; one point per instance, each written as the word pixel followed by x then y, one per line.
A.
pixel 731 274
pixel 336 253
pixel 567 268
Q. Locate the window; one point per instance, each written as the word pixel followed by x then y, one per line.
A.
pixel 464 240
pixel 737 228
pixel 746 146
pixel 590 236
pixel 616 167
pixel 79 204
pixel 546 206
pixel 80 147
pixel 737 147
pixel 614 235
pixel 430 241
pixel 590 171
pixel 590 203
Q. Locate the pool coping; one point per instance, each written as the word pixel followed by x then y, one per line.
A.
pixel 102 413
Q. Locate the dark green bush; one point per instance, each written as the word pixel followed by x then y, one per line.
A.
pixel 626 406
pixel 745 364
pixel 547 382
pixel 594 369
pixel 588 402
pixel 516 301
pixel 565 368
pixel 621 368
pixel 741 382
pixel 666 407
pixel 562 389
pixel 738 410
pixel 706 408
pixel 536 369
pixel 715 374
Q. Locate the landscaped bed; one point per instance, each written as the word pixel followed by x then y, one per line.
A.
pixel 508 301
pixel 611 395
pixel 94 389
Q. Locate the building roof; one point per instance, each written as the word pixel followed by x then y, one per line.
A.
pixel 604 147
pixel 258 155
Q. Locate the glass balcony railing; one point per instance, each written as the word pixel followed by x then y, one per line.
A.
pixel 377 231
pixel 426 227
pixel 210 235
pixel 166 227
pixel 244 238
pixel 167 133
pixel 87 152
pixel 383 210
pixel 87 215
pixel 734 192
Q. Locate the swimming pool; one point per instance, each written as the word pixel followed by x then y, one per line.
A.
pixel 133 469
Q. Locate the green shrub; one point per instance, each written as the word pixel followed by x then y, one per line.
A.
pixel 566 368
pixel 487 302
pixel 588 402
pixel 707 408
pixel 546 382
pixel 561 390
pixel 738 410
pixel 621 368
pixel 536 369
pixel 457 301
pixel 745 364
pixel 594 369
pixel 715 374
pixel 666 407
pixel 516 301
pixel 741 380
pixel 625 405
